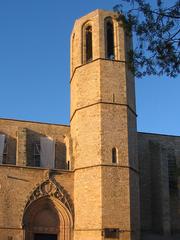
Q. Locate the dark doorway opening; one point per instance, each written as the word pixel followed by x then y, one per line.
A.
pixel 45 236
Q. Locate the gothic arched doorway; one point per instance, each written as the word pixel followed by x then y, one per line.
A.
pixel 42 221
pixel 47 215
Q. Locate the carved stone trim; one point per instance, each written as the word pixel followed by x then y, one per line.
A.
pixel 50 188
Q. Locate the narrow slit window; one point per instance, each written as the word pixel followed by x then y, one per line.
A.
pixel 109 39
pixel 68 165
pixel 5 152
pixel 114 155
pixel 88 33
pixel 3 149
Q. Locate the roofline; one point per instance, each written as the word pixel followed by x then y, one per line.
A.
pixel 30 121
pixel 97 10
pixel 67 125
pixel 159 134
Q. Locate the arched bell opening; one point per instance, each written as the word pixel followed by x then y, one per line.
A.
pixel 47 219
pixel 87 40
pixel 109 39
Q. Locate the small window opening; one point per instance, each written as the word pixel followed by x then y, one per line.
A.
pixel 114 155
pixel 36 154
pixel 88 33
pixel 113 97
pixel 111 233
pixel 110 40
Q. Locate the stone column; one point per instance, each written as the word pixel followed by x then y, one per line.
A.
pixel 160 188
pixel 166 221
pixel 21 151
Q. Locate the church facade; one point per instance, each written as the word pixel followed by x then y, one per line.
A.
pixel 97 178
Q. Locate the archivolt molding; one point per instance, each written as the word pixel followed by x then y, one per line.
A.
pixel 50 188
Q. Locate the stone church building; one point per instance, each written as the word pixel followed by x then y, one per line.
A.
pixel 97 178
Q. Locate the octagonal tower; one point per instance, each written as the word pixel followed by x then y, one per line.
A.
pixel 103 130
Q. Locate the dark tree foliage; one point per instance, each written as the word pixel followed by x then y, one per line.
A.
pixel 157 36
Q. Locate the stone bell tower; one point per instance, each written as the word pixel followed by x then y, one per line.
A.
pixel 103 131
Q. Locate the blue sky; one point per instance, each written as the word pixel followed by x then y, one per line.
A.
pixel 34 66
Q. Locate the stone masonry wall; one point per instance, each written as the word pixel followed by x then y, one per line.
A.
pixel 16 186
pixel 160 206
pixel 21 136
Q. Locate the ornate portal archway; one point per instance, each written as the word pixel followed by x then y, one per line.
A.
pixel 48 213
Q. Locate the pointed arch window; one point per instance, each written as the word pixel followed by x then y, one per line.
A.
pixel 172 172
pixel 88 44
pixel 109 39
pixel 114 155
